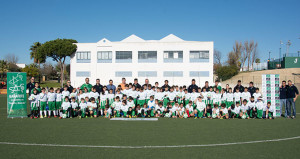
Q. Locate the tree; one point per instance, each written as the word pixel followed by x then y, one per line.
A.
pixel 257 60
pixel 3 68
pixel 254 54
pixel 226 72
pixel 31 70
pixel 58 50
pixel 217 57
pixel 48 70
pixel 233 59
pixel 11 58
pixel 237 51
pixel 37 57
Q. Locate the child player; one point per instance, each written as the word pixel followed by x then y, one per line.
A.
pixel 51 102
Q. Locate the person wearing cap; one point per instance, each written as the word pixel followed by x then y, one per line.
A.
pixel 239 86
pixel 193 86
pixel 292 94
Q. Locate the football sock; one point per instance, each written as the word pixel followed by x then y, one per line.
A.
pixel 45 112
pixel 49 112
pixel 41 113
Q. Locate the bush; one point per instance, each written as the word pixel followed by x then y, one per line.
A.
pixel 226 72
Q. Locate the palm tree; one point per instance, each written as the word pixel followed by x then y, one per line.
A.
pixel 3 67
pixel 36 56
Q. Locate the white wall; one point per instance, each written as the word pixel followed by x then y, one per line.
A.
pixel 106 71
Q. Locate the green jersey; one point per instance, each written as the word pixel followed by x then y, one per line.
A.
pixel 88 86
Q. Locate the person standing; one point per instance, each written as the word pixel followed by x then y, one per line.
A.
pixel 217 86
pixel 292 94
pixel 283 93
pixel 30 85
pixel 136 83
pixel 251 88
pixel 123 83
pixel 111 86
pixel 70 88
pixel 239 86
pixel 166 85
pixel 206 86
pixel 193 86
pixel 86 85
pixel 98 86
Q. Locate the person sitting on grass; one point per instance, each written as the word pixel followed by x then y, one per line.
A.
pixel 138 111
pixel 145 111
pixel 269 111
pixel 124 108
pixel 116 107
pixel 259 108
pixel 209 110
pixel 92 106
pixel 238 110
pixel 181 111
pixel 252 109
pixel 174 110
pixel 159 109
pixel 189 109
pixel 244 109
pixel 200 110
pixel 224 112
pixel 82 109
pixel 216 112
pixel 231 111
pixel 66 106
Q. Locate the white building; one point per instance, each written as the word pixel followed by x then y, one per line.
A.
pixel 170 58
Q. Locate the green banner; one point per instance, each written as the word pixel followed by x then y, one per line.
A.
pixel 16 94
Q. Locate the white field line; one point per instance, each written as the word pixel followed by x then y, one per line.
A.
pixel 149 147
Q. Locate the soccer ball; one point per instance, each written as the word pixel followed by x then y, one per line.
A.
pixel 244 116
pixel 64 116
pixel 185 115
pixel 214 115
pixel 167 115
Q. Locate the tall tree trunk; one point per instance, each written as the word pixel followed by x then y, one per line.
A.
pixel 61 74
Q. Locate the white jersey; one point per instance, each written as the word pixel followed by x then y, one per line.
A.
pixel 133 94
pixel 256 95
pixel 200 106
pixel 260 105
pixel 43 97
pixel 130 104
pixel 157 108
pixel 166 93
pixel 244 108
pixel 225 111
pixel 193 96
pixel 216 111
pixel 124 108
pixel 142 95
pixel 82 105
pixel 116 105
pixel 187 96
pixel 229 97
pixel 94 95
pixel 74 105
pixel 251 104
pixel 159 96
pixel 151 104
pixel 190 108
pixel 204 94
pixel 103 97
pixel 86 95
pixel 271 109
pixel 237 110
pixel 58 97
pixel 127 92
pixel 246 95
pixel 210 95
pixel 119 95
pixel 33 98
pixel 73 95
pixel 223 97
pixel 217 97
pixel 150 93
pixel 174 108
pixel 65 94
pixel 92 105
pixel 237 96
pixel 65 105
pixel 110 96
pixel 171 95
pixel 51 97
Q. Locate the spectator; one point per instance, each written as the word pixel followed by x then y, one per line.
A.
pixel 123 83
pixel 251 88
pixel 292 94
pixel 193 86
pixel 111 86
pixel 239 86
pixel 98 86
pixel 136 84
pixel 87 85
pixel 30 85
pixel 283 93
pixel 166 85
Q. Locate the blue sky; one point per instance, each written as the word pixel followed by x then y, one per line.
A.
pixel 221 21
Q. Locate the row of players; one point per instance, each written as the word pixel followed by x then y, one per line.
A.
pixel 169 107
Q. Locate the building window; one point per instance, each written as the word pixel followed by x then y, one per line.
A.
pixel 123 56
pixel 83 74
pixel 104 56
pixel 173 73
pixel 123 74
pixel 83 57
pixel 173 56
pixel 147 74
pixel 199 56
pixel 147 56
pixel 199 73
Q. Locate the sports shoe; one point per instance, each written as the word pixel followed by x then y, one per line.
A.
pixel 55 116
pixel 79 117
pixel 195 117
pixel 60 117
pixel 41 117
pixel 293 117
pixel 48 116
pixel 31 117
pixel 129 116
pixel 45 116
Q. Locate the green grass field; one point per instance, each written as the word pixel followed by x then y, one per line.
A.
pixel 164 132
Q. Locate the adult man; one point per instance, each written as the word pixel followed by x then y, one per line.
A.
pixel 123 83
pixel 87 85
pixel 69 89
pixel 30 85
pixel 206 86
pixel 111 86
pixel 166 85
pixel 239 86
pixel 292 94
pixel 146 82
pixel 98 86
pixel 283 93
pixel 217 86
pixel 193 86
pixel 136 84
pixel 251 88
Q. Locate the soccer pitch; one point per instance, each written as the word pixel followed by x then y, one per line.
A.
pixel 165 138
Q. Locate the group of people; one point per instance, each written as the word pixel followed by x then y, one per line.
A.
pixel 134 100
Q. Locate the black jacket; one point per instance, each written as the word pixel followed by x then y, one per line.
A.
pixel 191 87
pixel 99 88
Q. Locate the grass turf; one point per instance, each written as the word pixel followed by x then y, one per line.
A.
pixel 100 131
